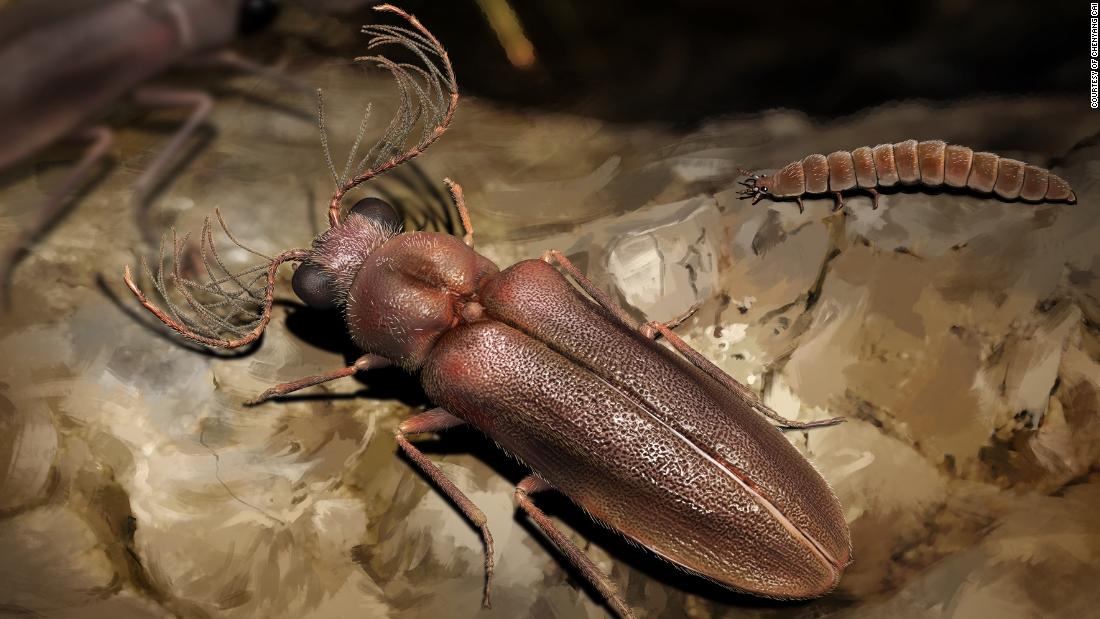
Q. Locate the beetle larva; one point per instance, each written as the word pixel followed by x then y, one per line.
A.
pixel 932 163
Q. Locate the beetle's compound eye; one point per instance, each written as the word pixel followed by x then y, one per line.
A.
pixel 313 286
pixel 256 14
pixel 379 211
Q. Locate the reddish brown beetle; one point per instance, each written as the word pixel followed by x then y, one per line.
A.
pixel 661 446
pixel 931 164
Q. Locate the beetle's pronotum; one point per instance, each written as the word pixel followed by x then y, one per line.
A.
pixel 932 163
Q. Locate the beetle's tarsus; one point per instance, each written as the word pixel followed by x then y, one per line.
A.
pixel 874 198
pixel 838 201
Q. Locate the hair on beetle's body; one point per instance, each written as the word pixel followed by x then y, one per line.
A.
pixel 931 164
pixel 339 252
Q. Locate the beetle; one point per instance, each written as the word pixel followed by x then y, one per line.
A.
pixel 64 63
pixel 659 444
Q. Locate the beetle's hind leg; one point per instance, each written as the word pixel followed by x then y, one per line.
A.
pixel 532 484
pixel 436 420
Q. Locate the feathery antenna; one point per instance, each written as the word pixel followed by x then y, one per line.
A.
pixel 205 300
pixel 217 306
pixel 429 97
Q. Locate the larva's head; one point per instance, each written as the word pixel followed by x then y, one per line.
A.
pixel 757 187
pixel 323 280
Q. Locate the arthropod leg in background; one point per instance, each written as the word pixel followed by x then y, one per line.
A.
pixel 932 163
pixel 64 62
pixel 658 444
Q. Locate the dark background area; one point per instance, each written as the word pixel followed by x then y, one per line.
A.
pixel 683 62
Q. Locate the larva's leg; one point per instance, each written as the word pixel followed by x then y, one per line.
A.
pixel 436 420
pixel 838 201
pixel 652 328
pixel 530 485
pixel 801 206
pixel 101 140
pixel 874 197
pixel 362 364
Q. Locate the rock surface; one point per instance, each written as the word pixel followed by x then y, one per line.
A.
pixel 957 334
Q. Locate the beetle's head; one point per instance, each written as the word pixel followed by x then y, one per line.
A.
pixel 323 280
pixel 756 186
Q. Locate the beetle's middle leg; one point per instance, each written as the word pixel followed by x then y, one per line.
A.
pixel 601 297
pixel 532 484
pixel 433 421
pixel 362 364
pixel 651 329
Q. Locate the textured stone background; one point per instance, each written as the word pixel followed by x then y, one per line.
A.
pixel 957 334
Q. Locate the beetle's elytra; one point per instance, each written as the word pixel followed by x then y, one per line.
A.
pixel 660 445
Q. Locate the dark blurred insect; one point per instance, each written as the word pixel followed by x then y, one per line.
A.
pixel 661 446
pixel 933 163
pixel 64 62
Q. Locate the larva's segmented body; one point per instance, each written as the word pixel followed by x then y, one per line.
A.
pixel 932 163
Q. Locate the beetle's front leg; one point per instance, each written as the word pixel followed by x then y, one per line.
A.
pixel 362 364
pixel 436 420
pixel 532 484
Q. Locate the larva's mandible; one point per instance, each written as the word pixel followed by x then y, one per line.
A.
pixel 932 163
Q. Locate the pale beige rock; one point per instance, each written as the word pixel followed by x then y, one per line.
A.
pixel 28 446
